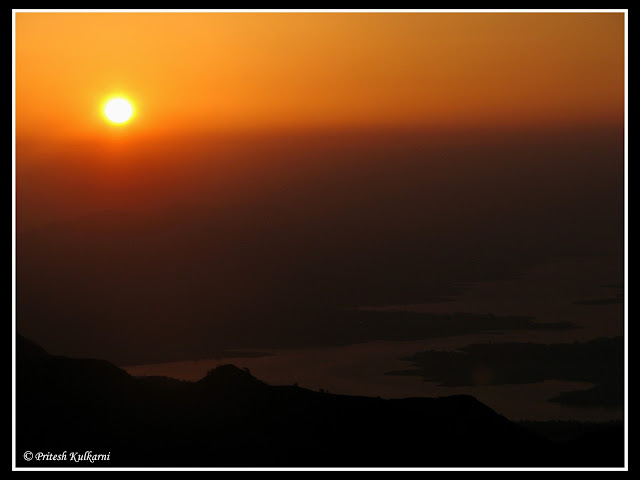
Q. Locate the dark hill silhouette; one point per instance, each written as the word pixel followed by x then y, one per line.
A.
pixel 230 380
pixel 230 418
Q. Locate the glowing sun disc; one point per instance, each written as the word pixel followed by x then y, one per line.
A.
pixel 118 110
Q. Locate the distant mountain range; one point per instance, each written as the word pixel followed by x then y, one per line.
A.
pixel 231 419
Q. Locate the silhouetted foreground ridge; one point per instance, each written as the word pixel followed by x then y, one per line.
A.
pixel 230 418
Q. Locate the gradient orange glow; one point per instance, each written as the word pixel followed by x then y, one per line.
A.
pixel 282 170
pixel 225 103
pixel 221 71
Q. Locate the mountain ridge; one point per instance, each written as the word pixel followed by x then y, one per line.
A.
pixel 231 419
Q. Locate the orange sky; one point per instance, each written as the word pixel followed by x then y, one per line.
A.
pixel 199 72
pixel 285 161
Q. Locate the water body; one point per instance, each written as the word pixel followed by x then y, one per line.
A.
pixel 562 290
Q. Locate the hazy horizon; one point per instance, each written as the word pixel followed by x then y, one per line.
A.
pixel 392 201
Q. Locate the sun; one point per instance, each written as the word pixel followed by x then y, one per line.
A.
pixel 118 110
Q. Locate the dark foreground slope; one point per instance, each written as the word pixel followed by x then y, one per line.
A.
pixel 231 419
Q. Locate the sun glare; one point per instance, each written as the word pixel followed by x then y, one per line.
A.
pixel 118 110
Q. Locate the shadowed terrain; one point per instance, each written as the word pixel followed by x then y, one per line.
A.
pixel 599 361
pixel 230 418
pixel 350 239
